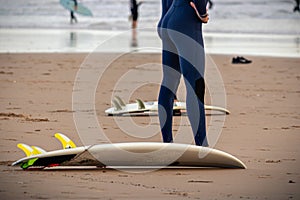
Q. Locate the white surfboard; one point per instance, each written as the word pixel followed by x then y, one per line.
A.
pixel 120 108
pixel 81 9
pixel 134 154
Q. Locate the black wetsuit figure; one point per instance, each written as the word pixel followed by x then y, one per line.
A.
pixel 134 6
pixel 134 9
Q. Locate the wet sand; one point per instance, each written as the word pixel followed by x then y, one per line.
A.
pixel 262 130
pixel 85 41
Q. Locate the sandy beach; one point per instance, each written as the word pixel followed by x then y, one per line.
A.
pixel 262 130
pixel 51 82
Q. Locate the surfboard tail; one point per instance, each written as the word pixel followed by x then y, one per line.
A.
pixel 66 142
pixel 30 151
pixel 216 108
pixel 35 153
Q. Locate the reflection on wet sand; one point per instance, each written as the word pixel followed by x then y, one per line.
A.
pixel 134 42
pixel 73 39
pixel 14 40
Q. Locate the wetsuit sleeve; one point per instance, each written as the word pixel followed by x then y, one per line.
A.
pixel 201 6
pixel 75 2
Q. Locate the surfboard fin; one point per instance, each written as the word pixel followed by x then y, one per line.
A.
pixel 66 142
pixel 120 101
pixel 116 105
pixel 37 150
pixel 141 104
pixel 30 151
pixel 26 149
pixel 28 163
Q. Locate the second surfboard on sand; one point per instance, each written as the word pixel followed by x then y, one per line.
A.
pixel 141 107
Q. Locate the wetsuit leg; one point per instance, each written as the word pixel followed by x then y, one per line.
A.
pixel 72 15
pixel 171 78
pixel 195 87
pixel 169 86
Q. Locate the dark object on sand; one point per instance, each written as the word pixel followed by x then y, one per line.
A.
pixel 240 60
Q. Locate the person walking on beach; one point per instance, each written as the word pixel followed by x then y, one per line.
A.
pixel 73 18
pixel 180 29
pixel 134 6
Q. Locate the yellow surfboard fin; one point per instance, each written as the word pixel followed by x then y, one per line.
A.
pixel 37 150
pixel 26 149
pixel 65 141
pixel 30 151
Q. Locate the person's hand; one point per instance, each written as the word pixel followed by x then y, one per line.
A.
pixel 75 7
pixel 203 19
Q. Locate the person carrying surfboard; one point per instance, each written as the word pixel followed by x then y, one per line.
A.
pixel 73 18
pixel 180 29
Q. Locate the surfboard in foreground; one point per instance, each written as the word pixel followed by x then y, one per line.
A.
pixel 132 154
pixel 81 9
pixel 120 108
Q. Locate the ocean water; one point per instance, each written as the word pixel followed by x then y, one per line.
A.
pixel 227 16
pixel 247 27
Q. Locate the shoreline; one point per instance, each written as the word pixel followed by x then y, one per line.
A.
pixel 87 41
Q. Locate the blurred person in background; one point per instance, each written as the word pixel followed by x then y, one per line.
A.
pixel 73 18
pixel 297 8
pixel 134 8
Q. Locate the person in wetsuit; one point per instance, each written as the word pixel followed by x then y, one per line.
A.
pixel 180 29
pixel 134 6
pixel 73 18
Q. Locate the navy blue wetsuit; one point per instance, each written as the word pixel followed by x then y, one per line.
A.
pixel 183 54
